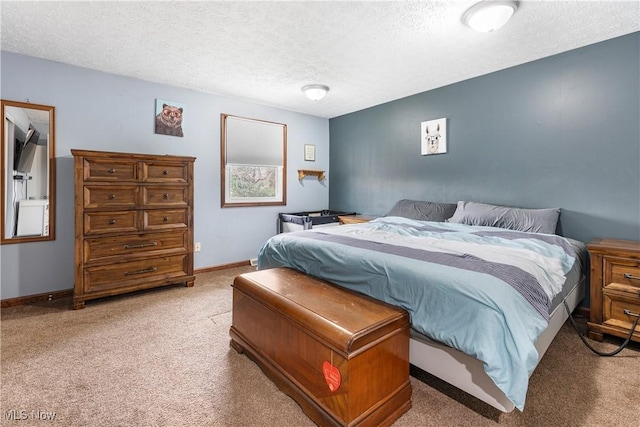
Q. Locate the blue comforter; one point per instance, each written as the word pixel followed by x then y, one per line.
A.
pixel 482 290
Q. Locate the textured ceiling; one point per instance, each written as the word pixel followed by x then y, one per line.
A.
pixel 368 53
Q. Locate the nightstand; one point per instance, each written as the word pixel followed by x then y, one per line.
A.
pixel 356 219
pixel 615 288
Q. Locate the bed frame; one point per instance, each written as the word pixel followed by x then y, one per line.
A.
pixel 466 372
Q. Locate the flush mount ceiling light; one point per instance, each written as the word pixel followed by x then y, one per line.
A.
pixel 489 15
pixel 315 92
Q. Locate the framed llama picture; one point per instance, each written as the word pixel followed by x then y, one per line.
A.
pixel 433 137
pixel 169 117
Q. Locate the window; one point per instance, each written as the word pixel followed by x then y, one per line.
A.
pixel 253 158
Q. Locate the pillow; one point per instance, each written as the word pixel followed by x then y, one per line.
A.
pixel 423 211
pixel 531 220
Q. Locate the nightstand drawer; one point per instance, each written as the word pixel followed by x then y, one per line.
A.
pixel 615 304
pixel 622 271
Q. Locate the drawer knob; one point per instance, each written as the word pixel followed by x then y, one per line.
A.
pixel 165 196
pixel 631 276
pixel 165 219
pixel 112 196
pixel 113 221
pixel 165 172
pixel 112 170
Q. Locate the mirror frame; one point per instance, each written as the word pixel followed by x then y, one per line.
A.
pixel 224 126
pixel 51 196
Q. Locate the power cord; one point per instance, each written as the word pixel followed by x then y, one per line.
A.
pixel 599 353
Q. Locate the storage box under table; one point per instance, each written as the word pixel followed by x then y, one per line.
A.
pixel 344 357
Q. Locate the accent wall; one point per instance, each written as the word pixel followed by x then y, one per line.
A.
pixel 563 131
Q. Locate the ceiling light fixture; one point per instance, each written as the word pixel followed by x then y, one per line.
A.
pixel 315 92
pixel 489 15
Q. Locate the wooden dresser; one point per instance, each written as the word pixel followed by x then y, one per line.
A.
pixel 134 223
pixel 615 288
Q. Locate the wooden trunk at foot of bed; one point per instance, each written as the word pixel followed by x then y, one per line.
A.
pixel 343 357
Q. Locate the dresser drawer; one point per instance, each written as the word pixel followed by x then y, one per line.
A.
pixel 164 172
pixel 110 170
pixel 110 222
pixel 166 196
pixel 102 197
pixel 129 273
pixel 162 219
pixel 104 247
pixel 623 271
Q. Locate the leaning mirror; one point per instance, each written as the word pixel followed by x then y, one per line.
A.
pixel 254 162
pixel 28 172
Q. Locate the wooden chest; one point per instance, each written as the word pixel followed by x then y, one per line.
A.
pixel 342 356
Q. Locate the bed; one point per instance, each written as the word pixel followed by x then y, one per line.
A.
pixel 484 285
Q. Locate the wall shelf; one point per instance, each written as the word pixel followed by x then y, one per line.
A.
pixel 308 172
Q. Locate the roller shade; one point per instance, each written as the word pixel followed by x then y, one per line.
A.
pixel 251 142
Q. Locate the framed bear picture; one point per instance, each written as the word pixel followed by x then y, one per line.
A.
pixel 433 137
pixel 169 118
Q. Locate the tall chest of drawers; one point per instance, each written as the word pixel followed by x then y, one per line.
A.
pixel 133 223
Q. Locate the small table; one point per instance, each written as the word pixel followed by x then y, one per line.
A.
pixel 355 219
pixel 615 288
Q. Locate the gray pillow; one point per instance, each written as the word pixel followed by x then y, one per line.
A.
pixel 423 211
pixel 531 220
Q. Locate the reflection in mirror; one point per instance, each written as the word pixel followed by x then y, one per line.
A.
pixel 28 172
pixel 254 162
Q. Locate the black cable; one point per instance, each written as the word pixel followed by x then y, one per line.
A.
pixel 599 353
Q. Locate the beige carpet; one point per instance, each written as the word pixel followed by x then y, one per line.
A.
pixel 162 358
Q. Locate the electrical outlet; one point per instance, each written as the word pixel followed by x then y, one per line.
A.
pixel 198 247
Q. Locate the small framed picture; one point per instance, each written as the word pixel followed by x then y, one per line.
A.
pixel 309 152
pixel 169 118
pixel 433 137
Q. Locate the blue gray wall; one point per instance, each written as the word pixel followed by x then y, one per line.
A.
pixel 100 111
pixel 558 132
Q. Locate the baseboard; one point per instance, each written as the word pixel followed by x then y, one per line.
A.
pixel 223 266
pixel 30 299
pixel 49 296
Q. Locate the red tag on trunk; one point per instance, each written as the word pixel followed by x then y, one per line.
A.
pixel 331 375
